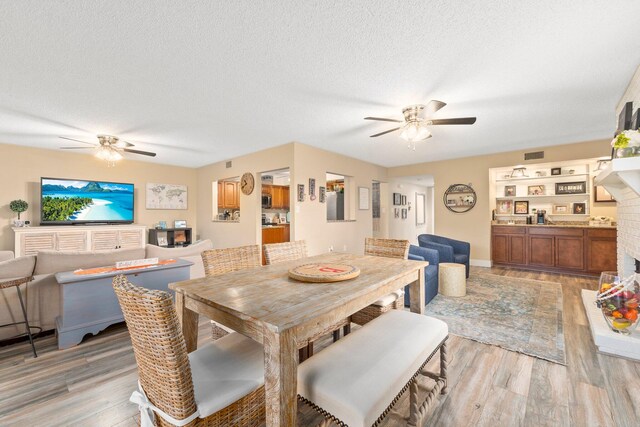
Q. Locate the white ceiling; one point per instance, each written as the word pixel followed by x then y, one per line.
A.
pixel 202 81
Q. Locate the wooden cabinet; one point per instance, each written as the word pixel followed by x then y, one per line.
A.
pixel 570 249
pixel 30 240
pixel 228 195
pixel 279 196
pixel 277 234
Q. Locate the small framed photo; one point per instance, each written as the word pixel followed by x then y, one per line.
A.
pixel 322 194
pixel 535 190
pixel 404 213
pixel 556 171
pixel 301 192
pixel 403 200
pixel 579 208
pixel 396 212
pixel 560 209
pixel 505 207
pixel 571 187
pixel 509 191
pixel 397 199
pixel 521 207
pixel 180 223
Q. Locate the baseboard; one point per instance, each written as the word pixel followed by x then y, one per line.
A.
pixel 480 262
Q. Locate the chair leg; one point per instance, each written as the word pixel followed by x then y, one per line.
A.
pixel 443 367
pixel 26 321
pixel 302 354
pixel 336 335
pixel 310 349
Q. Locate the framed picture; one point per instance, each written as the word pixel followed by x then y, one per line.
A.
pixel 179 237
pixel 420 204
pixel 579 208
pixel 535 190
pixel 521 207
pixel 600 194
pixel 561 209
pixel 180 223
pixel 556 171
pixel 312 188
pixel 322 193
pixel 396 212
pixel 161 236
pixel 571 187
pixel 166 196
pixel 404 200
pixel 397 199
pixel 509 191
pixel 404 214
pixel 505 207
pixel 363 198
pixel 301 192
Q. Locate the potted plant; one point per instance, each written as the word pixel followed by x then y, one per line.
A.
pixel 18 206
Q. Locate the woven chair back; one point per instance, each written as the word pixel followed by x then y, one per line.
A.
pixel 159 348
pixel 275 253
pixel 390 248
pixel 220 261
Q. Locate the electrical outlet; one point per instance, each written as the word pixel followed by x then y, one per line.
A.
pixel 330 248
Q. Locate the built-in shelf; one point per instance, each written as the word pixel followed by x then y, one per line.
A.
pixel 536 178
pixel 548 214
pixel 619 175
pixel 541 196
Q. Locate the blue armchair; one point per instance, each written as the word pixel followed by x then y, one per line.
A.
pixel 450 250
pixel 430 272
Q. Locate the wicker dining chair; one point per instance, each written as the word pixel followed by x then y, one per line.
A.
pixel 276 253
pixel 220 261
pixel 390 248
pixel 200 388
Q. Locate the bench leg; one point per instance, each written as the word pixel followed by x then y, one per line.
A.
pixel 414 409
pixel 443 367
pixel 325 423
pixel 346 329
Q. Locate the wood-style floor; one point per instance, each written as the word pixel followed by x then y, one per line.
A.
pixel 90 385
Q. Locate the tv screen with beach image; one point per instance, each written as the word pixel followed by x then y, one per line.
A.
pixel 68 201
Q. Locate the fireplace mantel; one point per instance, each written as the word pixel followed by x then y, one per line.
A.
pixel 619 175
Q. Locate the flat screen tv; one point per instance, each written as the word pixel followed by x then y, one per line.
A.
pixel 72 201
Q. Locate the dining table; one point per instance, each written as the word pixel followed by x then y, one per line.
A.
pixel 265 304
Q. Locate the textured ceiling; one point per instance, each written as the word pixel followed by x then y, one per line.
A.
pixel 202 81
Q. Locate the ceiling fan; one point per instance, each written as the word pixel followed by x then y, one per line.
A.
pixel 417 118
pixel 109 148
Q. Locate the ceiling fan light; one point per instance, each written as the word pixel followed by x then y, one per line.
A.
pixel 412 132
pixel 423 133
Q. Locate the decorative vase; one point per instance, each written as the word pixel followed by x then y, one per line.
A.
pixel 627 152
pixel 619 300
pixel 18 223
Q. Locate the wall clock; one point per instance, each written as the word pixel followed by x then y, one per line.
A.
pixel 247 183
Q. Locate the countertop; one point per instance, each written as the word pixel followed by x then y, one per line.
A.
pixel 283 225
pixel 557 225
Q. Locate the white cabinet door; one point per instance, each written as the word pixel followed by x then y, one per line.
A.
pixel 129 239
pixel 104 240
pixel 71 241
pixel 32 243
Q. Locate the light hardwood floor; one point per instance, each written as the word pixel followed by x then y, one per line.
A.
pixel 89 385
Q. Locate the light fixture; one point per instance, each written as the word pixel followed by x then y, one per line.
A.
pixel 109 154
pixel 413 132
pixel 519 172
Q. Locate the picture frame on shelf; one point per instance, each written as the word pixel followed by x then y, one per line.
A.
pixel 504 207
pixel 579 187
pixel 509 191
pixel 535 190
pixel 521 207
pixel 180 223
pixel 579 208
pixel 162 225
pixel 420 212
pixel 179 237
pixel 397 199
pixel 600 194
pixel 556 171
pixel 161 236
pixel 560 209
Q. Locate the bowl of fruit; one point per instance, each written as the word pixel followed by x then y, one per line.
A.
pixel 619 301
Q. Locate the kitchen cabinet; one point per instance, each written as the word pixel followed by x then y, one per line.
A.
pixel 581 250
pixel 279 196
pixel 228 195
pixel 275 234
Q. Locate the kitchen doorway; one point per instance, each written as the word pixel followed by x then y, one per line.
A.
pixel 276 201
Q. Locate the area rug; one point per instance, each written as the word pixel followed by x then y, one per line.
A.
pixel 516 314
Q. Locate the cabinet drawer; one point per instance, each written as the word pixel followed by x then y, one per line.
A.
pixel 601 232
pixel 496 229
pixel 556 231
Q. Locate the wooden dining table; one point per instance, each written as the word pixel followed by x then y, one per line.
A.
pixel 266 305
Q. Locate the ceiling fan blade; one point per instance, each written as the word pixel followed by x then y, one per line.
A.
pixel 76 148
pixel 144 153
pixel 458 121
pixel 433 106
pixel 381 119
pixel 77 140
pixel 382 133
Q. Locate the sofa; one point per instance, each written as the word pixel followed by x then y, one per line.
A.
pixel 449 250
pixel 42 293
pixel 417 253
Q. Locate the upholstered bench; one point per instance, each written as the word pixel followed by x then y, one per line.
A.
pixel 357 380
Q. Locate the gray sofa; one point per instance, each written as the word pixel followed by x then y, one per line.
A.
pixel 43 296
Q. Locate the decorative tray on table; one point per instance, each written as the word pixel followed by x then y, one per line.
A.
pixel 324 273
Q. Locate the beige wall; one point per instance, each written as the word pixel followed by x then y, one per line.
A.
pixel 475 225
pixel 22 167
